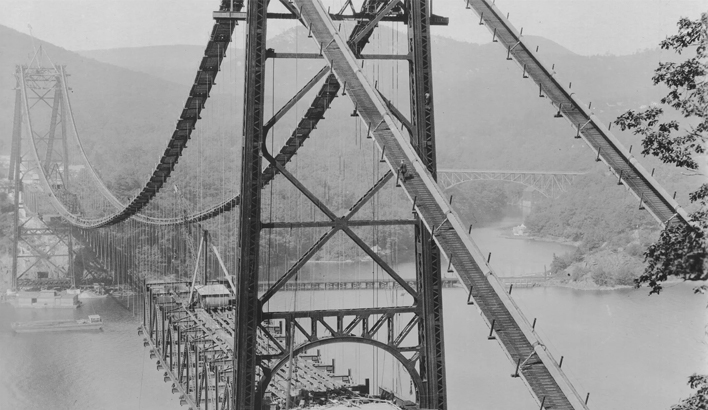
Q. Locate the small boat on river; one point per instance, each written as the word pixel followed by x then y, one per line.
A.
pixel 94 322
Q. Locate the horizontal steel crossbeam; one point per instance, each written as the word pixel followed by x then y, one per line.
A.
pixel 331 224
pixel 435 20
pixel 516 335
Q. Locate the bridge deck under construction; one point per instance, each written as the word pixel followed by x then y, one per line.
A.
pixel 187 336
pixel 223 352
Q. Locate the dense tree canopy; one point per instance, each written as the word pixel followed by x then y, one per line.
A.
pixel 678 136
pixel 680 250
pixel 699 400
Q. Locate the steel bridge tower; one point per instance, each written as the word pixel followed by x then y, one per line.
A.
pixel 42 85
pixel 43 109
pixel 233 347
pixel 425 361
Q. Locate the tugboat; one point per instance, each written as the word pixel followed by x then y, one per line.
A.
pixel 93 322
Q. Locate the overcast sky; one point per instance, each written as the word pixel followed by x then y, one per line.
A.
pixel 584 26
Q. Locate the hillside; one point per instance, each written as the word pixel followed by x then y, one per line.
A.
pixel 113 106
pixel 487 116
pixel 176 63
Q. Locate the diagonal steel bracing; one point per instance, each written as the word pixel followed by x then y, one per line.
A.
pixel 517 337
pixel 250 223
pixel 340 224
pixel 364 32
pixel 50 159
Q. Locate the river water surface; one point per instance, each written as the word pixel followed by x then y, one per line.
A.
pixel 628 349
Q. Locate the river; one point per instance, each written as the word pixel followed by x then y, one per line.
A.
pixel 515 256
pixel 628 349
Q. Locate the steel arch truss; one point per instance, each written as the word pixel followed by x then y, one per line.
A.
pixel 372 326
pixel 548 184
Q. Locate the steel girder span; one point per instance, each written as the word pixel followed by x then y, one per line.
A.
pixel 548 184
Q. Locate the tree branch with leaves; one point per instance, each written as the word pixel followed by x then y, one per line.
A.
pixel 676 132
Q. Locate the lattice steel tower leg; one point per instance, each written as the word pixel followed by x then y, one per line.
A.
pixel 428 274
pixel 14 175
pixel 43 83
pixel 248 314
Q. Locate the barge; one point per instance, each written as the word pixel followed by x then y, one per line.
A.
pixel 45 299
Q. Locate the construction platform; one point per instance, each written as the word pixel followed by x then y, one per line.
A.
pixel 191 334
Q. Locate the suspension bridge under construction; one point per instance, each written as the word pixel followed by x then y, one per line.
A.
pixel 215 273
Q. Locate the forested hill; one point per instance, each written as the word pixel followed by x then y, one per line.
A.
pixel 126 102
pixel 116 109
pixel 487 115
pixel 176 63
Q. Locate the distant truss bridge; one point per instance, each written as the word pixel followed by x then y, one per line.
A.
pixel 548 184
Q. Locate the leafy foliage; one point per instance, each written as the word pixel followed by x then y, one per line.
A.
pixel 589 212
pixel 699 400
pixel 601 277
pixel 560 263
pixel 680 250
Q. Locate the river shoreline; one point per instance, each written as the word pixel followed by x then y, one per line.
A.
pixel 551 239
pixel 590 286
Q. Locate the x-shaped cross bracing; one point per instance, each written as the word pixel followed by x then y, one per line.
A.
pixel 339 224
